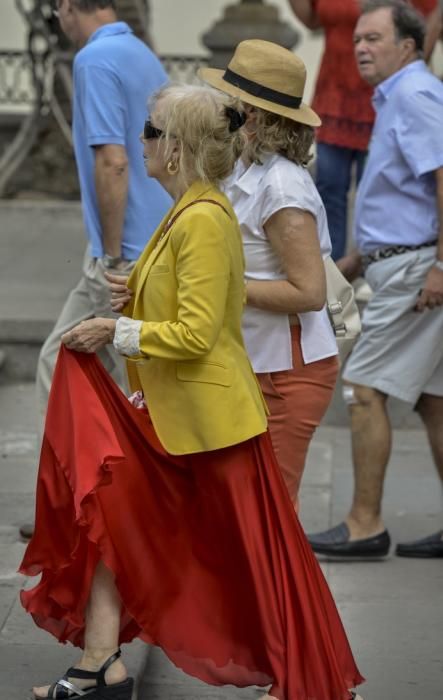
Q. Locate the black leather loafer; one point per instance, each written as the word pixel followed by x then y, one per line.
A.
pixel 426 548
pixel 336 543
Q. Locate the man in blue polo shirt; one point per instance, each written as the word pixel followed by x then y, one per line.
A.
pixel 114 75
pixel 399 235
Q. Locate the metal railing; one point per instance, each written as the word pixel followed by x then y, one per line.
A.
pixel 16 85
pixel 27 94
pixel 17 89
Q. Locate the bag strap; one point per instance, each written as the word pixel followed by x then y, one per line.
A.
pixel 191 204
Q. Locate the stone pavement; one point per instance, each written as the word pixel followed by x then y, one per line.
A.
pixel 392 610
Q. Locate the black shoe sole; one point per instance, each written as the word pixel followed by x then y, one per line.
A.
pixel 352 553
pixel 117 691
pixel 327 556
pixel 419 555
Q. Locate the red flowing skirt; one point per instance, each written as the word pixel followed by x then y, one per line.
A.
pixel 209 558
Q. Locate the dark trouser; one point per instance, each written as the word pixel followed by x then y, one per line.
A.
pixel 333 180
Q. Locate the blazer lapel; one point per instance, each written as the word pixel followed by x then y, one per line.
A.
pixel 160 237
pixel 144 263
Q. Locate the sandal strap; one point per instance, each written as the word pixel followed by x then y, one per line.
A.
pixel 64 689
pixel 53 688
pixel 106 665
pixel 53 692
pixel 80 673
pixel 73 688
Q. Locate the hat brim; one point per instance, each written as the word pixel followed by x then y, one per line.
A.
pixel 303 115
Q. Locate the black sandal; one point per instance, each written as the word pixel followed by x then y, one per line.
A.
pixel 65 690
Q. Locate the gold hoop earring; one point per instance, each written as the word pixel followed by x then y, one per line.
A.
pixel 172 168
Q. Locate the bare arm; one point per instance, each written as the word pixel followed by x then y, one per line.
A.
pixel 434 26
pixel 293 236
pixel 351 266
pixel 432 292
pixel 111 183
pixel 304 11
pixel 439 181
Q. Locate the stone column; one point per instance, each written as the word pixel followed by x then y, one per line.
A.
pixel 248 19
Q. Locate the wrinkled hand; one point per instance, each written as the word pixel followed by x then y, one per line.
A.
pixel 91 335
pixel 120 293
pixel 350 266
pixel 432 293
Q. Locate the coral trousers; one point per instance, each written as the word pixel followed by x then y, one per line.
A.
pixel 297 400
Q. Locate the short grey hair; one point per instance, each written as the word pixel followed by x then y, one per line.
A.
pixel 408 22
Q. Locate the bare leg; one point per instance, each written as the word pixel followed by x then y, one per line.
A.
pixel 430 409
pixel 371 448
pixel 102 631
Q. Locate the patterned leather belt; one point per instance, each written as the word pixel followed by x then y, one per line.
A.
pixel 392 250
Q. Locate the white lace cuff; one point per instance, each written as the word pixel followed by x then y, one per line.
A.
pixel 127 336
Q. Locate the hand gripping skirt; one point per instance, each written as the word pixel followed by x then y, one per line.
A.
pixel 209 558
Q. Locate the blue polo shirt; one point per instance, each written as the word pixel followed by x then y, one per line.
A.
pixel 114 74
pixel 396 201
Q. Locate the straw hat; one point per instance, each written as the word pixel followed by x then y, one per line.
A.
pixel 265 75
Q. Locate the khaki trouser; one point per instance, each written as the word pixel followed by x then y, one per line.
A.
pixel 91 297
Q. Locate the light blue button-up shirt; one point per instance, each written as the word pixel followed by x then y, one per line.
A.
pixel 396 199
pixel 114 74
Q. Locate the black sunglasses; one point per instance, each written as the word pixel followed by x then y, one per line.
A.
pixel 151 132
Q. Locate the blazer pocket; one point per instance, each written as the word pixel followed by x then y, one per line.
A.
pixel 205 372
pixel 159 269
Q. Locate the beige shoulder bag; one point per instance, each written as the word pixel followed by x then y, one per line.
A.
pixel 342 308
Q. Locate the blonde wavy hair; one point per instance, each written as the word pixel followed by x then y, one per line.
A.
pixel 276 134
pixel 194 118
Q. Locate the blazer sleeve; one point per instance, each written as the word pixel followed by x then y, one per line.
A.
pixel 200 247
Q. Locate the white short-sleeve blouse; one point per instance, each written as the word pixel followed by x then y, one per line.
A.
pixel 256 193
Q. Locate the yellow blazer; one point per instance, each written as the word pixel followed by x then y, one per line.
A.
pixel 188 290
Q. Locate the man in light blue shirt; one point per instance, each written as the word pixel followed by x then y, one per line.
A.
pixel 399 235
pixel 114 75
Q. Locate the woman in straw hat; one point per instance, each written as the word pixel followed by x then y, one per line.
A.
pixel 283 221
pixel 170 521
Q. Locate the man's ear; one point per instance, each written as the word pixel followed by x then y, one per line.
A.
pixel 409 47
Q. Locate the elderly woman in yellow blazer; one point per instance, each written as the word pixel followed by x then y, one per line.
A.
pixel 239 598
pixel 190 354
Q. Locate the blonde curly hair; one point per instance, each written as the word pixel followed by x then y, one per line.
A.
pixel 195 118
pixel 276 134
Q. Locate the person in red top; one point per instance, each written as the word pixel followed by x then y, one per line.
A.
pixel 343 102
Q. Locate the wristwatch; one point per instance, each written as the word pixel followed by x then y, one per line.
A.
pixel 109 261
pixel 439 265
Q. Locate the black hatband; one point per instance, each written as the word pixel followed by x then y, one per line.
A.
pixel 261 91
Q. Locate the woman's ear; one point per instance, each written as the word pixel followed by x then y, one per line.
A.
pixel 251 114
pixel 251 120
pixel 175 153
